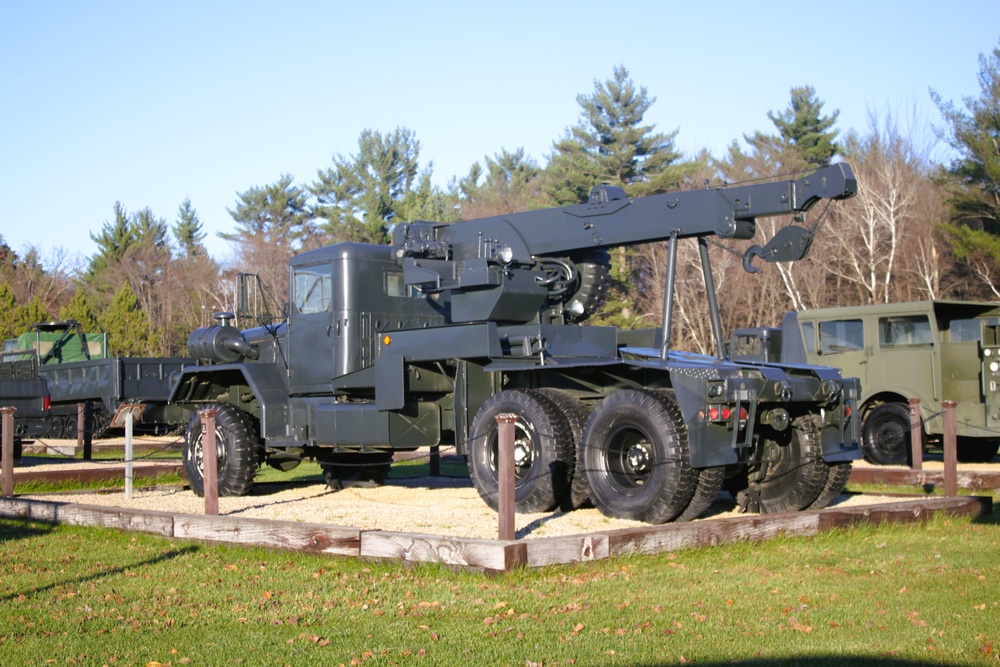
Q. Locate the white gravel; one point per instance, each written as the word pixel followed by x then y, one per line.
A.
pixel 429 505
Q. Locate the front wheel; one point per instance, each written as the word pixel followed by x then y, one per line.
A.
pixel 635 455
pixel 236 447
pixel 885 436
pixel 543 459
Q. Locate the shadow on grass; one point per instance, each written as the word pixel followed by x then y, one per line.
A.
pixel 170 555
pixel 14 529
pixel 817 661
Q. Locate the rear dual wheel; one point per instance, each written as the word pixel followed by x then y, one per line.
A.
pixel 543 455
pixel 637 462
pixel 790 474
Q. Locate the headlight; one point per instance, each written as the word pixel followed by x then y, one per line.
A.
pixel 505 255
pixel 995 366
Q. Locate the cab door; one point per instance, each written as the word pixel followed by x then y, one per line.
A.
pixel 310 329
pixel 903 358
pixel 841 343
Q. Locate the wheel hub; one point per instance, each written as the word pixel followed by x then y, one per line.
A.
pixel 522 452
pixel 638 457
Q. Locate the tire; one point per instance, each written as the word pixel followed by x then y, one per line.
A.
pixel 100 419
pixel 706 491
pixel 836 480
pixel 17 450
pixel 976 450
pixel 636 456
pixel 543 452
pixel 885 435
pixel 576 414
pixel 66 426
pixel 345 470
pixel 790 474
pixel 238 451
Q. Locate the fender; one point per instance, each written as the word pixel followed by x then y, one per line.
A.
pixel 205 384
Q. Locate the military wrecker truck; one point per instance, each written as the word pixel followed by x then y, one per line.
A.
pixel 931 350
pixel 424 342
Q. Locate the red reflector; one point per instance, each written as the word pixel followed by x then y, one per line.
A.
pixel 713 413
pixel 47 403
pixel 847 411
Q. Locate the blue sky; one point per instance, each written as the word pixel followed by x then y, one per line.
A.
pixel 149 103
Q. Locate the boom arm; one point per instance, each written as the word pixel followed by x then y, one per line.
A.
pixel 497 254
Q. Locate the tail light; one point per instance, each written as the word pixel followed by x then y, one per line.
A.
pixel 722 413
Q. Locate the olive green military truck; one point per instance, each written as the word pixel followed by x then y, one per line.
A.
pixel 932 350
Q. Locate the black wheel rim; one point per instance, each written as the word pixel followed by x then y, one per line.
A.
pixel 889 436
pixel 524 451
pixel 198 452
pixel 629 459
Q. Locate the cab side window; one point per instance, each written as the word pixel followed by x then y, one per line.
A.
pixel 312 289
pixel 904 331
pixel 838 336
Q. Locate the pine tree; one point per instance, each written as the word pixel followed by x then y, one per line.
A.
pixel 128 330
pixel 275 214
pixel 974 176
pixel 360 196
pixel 8 306
pixel 803 126
pixel 80 309
pixel 610 145
pixel 188 230
pixel 113 242
pixel 510 184
pixel 29 314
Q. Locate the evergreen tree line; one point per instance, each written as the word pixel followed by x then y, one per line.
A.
pixel 918 229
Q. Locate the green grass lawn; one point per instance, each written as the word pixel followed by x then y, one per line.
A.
pixel 897 595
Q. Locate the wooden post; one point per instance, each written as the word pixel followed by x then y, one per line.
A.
pixel 7 451
pixel 128 455
pixel 916 436
pixel 505 474
pixel 81 424
pixel 88 431
pixel 209 460
pixel 435 461
pixel 950 449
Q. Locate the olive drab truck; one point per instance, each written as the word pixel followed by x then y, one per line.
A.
pixel 931 350
pixel 46 372
pixel 424 341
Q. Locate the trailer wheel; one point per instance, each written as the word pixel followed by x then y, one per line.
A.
pixel 790 474
pixel 836 480
pixel 885 435
pixel 576 414
pixel 345 470
pixel 543 459
pixel 236 445
pixel 636 457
